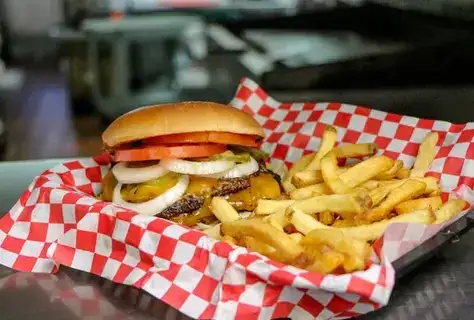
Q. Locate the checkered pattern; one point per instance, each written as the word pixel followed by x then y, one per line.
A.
pixel 57 221
pixel 53 204
pixel 204 278
pixel 294 129
pixel 400 238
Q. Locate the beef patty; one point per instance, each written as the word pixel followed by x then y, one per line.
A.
pixel 190 203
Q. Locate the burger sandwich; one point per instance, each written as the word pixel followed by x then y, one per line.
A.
pixel 171 160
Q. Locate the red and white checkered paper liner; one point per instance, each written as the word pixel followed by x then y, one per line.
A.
pixel 58 221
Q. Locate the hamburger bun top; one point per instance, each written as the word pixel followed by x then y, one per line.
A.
pixel 181 117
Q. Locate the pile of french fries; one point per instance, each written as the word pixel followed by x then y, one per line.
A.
pixel 334 213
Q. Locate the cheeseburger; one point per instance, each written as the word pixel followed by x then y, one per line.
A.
pixel 170 160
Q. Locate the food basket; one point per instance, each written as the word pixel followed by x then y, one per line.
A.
pixel 59 221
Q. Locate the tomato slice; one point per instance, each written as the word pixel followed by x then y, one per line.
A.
pixel 205 137
pixel 166 152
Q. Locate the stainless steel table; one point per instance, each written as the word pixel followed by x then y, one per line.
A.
pixel 440 288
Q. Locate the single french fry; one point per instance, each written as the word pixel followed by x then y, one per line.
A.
pixel 340 223
pixel 358 174
pixel 436 192
pixel 328 141
pixel 265 207
pixel 258 246
pixel 403 173
pixel 370 185
pixel 278 219
pixel 346 205
pixel 330 176
pixel 297 237
pixel 307 178
pixel 432 185
pixel 311 191
pixel 230 240
pixel 287 185
pixel 303 222
pixel 326 263
pixel 302 163
pixel 449 210
pixel 356 150
pixel 419 204
pixel 366 170
pixel 426 155
pixel 310 177
pixel 373 231
pixel 392 172
pixel 214 232
pixel 223 210
pixel 407 191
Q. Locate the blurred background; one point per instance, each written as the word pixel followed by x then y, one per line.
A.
pixel 69 67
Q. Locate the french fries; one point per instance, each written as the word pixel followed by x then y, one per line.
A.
pixel 286 248
pixel 279 219
pixel 356 150
pixel 327 143
pixel 426 155
pixel 259 246
pixel 356 250
pixel 265 207
pixel 344 223
pixel 327 217
pixel 298 166
pixel 335 213
pixel 309 177
pixel 214 231
pixel 311 174
pixel 229 240
pixel 296 237
pixel 419 204
pixel 329 173
pixel 449 210
pixel 366 170
pixel 370 185
pixel 374 230
pixel 326 262
pixel 392 172
pixel 223 210
pixel 347 205
pixel 310 191
pixel 403 173
pixel 303 222
pixel 407 191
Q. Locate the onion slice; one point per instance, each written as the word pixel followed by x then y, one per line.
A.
pixel 239 171
pixel 156 205
pixel 242 170
pixel 197 168
pixel 125 174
